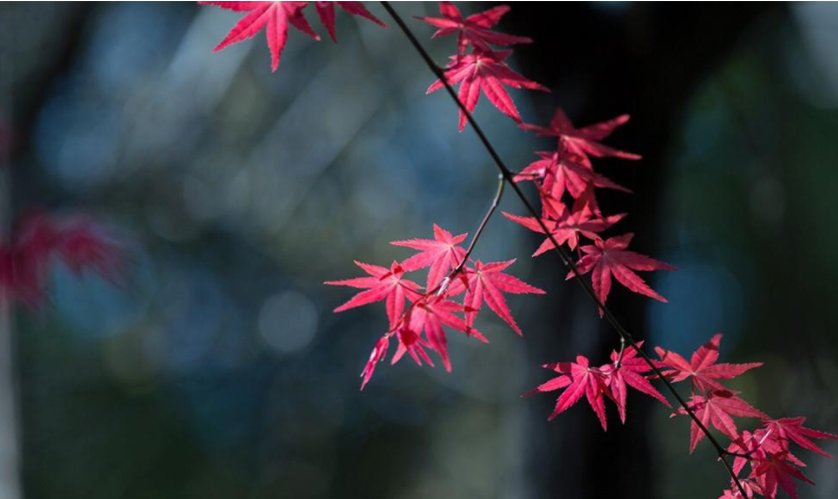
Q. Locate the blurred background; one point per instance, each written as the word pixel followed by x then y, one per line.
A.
pixel 217 369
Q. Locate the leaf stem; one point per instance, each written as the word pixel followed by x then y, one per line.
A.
pixel 459 268
pixel 622 351
pixel 507 175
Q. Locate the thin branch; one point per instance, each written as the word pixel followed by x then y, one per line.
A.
pixel 459 268
pixel 565 257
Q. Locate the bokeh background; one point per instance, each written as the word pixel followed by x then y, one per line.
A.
pixel 217 370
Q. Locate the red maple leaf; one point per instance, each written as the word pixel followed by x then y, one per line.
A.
pixel 587 201
pixel 609 257
pixel 745 447
pixel 773 472
pixel 784 430
pixel 326 13
pixel 484 70
pixel 773 467
pixel 473 30
pixel 702 368
pixel 430 314
pixel 274 16
pixel 487 283
pixel 578 379
pixel 559 171
pixel 383 284
pixel 585 140
pixel 630 371
pixel 441 254
pixel 567 227
pixel 717 409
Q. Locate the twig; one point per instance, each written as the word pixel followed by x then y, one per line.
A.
pixel 459 268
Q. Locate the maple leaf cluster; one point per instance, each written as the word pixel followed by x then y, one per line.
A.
pixel 566 181
pixel 766 450
pixel 419 316
pixel 564 177
pixel 610 381
pixel 40 241
pixel 477 67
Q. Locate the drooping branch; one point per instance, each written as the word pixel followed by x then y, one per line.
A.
pixel 508 176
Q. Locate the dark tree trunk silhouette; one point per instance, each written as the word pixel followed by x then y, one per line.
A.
pixel 22 93
pixel 602 61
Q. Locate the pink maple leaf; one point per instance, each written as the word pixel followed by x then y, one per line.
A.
pixel 792 429
pixel 629 372
pixel 474 29
pixel 430 314
pixel 382 284
pixel 578 379
pixel 585 140
pixel 606 258
pixel 326 13
pixel 773 467
pixel 702 368
pixel 273 16
pixel 484 70
pixel 587 201
pixel 487 283
pixel 442 254
pixel 717 409
pixel 567 227
pixel 773 472
pixel 559 171
pixel 745 447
